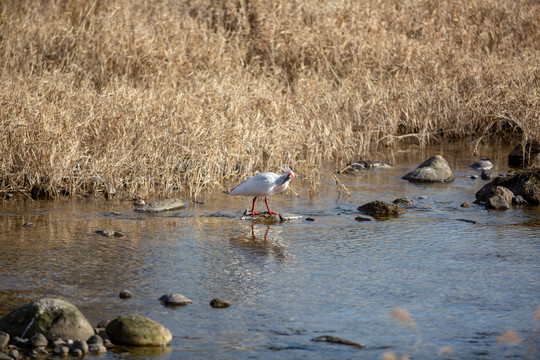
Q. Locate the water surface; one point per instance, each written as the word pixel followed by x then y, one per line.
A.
pixel 464 283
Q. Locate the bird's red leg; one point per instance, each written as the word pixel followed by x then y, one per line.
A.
pixel 269 212
pixel 253 213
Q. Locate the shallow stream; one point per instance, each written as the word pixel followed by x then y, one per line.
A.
pixel 465 275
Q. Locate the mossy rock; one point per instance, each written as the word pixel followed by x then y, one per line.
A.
pixel 137 330
pixel 381 209
pixel 54 318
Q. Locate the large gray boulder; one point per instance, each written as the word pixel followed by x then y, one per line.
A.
pixel 137 330
pixel 434 169
pixel 53 318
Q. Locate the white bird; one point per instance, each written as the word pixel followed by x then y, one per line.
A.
pixel 265 184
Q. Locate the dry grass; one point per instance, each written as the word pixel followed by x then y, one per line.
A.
pixel 143 97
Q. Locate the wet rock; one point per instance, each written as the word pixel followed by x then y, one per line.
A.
pixel 362 218
pixel 525 183
pixel 76 352
pixel 37 340
pixel 4 340
pixel 434 169
pixel 500 198
pixel 58 342
pixel 474 177
pixel 518 200
pixel 4 356
pixel 482 164
pixel 40 351
pixel 27 225
pixel 61 350
pixel 219 303
pixel 109 233
pixel 9 196
pixel 97 348
pixel 467 221
pixel 175 300
pixel 359 167
pixel 81 345
pixel 488 175
pixel 310 219
pixel 465 205
pixel 161 205
pixel 137 330
pixel 42 192
pixel 14 353
pixel 54 318
pixel 94 339
pixel 524 156
pixel 338 340
pixel 403 201
pixel 125 294
pixel 139 202
pixel 269 219
pixel 381 209
pixel 422 197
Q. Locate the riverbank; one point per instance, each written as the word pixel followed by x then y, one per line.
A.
pixel 136 98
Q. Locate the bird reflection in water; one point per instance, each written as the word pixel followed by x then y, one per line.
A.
pixel 262 241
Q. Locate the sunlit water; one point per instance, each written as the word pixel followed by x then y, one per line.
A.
pixel 463 283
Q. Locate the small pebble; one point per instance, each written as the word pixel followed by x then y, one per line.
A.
pixel 27 224
pixel 422 197
pixel 9 196
pixel 109 233
pixel 77 352
pixel 465 205
pixel 474 177
pixel 94 339
pixel 219 303
pixel 14 353
pixel 310 219
pixel 125 294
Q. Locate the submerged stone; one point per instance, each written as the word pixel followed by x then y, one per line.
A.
pixel 434 169
pixel 338 340
pixel 137 330
pixel 161 205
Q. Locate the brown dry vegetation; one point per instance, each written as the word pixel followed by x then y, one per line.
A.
pixel 143 96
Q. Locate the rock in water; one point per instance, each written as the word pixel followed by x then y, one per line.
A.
pixel 499 198
pixel 175 299
pixel 54 318
pixel 434 169
pixel 161 205
pixel 269 219
pixel 482 164
pixel 338 340
pixel 137 330
pixel 525 183
pixel 381 209
pixel 218 303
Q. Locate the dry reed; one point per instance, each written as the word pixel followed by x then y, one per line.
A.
pixel 145 97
